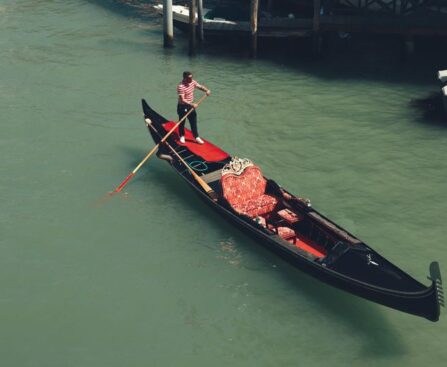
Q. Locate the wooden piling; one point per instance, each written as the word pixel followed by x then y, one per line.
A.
pixel 444 98
pixel 409 45
pixel 192 27
pixel 407 48
pixel 316 18
pixel 200 19
pixel 168 24
pixel 317 40
pixel 254 27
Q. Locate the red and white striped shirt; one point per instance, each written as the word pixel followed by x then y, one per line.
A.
pixel 187 91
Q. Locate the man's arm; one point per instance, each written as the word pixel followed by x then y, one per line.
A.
pixel 203 89
pixel 181 99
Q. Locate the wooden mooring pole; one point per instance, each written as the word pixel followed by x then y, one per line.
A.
pixel 408 48
pixel 409 45
pixel 200 19
pixel 254 27
pixel 168 26
pixel 316 28
pixel 192 27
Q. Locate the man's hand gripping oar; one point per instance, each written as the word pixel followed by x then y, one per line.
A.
pixel 128 178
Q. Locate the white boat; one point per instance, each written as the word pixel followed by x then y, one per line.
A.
pixel 442 76
pixel 215 23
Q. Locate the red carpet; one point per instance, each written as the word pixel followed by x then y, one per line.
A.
pixel 308 246
pixel 207 151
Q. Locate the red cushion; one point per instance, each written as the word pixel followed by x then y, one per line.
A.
pixel 246 192
pixel 239 189
pixel 288 215
pixel 283 232
pixel 286 232
pixel 255 207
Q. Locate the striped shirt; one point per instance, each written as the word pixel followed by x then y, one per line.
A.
pixel 187 91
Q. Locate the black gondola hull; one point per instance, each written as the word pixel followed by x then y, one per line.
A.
pixel 424 302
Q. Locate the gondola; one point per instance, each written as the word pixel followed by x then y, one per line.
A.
pixel 290 226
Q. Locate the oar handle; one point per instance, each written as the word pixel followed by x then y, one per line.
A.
pixel 127 179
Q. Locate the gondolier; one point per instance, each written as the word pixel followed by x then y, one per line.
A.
pixel 185 91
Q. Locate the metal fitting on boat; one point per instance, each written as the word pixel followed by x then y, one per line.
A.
pixel 164 157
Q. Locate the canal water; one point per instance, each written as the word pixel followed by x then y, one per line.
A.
pixel 154 277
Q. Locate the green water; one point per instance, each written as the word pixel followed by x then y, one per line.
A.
pixel 155 277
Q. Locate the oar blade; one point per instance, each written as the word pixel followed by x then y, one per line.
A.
pixel 124 183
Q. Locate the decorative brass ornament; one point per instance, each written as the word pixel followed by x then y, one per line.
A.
pixel 236 166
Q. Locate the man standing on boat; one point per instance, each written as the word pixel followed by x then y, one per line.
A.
pixel 185 91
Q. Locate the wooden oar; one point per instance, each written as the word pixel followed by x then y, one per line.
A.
pixel 211 193
pixel 127 179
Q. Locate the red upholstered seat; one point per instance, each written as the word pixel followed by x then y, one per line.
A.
pixel 286 233
pixel 289 216
pixel 259 206
pixel 246 192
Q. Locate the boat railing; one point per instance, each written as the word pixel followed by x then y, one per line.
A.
pixel 328 225
pixel 337 251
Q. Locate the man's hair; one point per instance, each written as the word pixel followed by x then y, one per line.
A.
pixel 186 74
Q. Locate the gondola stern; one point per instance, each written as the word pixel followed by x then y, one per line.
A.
pixel 428 304
pixel 423 301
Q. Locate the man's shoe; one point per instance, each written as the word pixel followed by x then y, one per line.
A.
pixel 199 140
pixel 182 139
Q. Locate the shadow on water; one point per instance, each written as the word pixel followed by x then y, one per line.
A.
pixel 356 56
pixel 363 318
pixel 370 58
pixel 431 109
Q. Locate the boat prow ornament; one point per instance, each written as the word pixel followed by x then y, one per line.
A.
pixel 236 166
